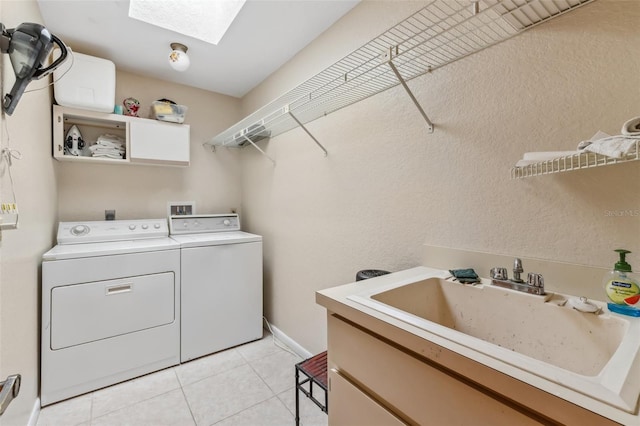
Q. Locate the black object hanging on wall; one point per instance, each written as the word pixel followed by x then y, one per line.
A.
pixel 28 46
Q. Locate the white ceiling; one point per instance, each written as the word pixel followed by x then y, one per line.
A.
pixel 265 35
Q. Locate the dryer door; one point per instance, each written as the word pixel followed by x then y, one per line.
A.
pixel 83 313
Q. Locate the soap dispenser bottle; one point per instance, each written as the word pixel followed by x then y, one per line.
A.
pixel 622 288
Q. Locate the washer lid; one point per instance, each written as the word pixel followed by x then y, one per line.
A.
pixel 215 238
pixel 75 251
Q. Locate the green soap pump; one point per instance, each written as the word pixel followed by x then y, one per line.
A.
pixel 622 288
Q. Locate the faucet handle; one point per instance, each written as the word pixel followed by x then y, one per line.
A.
pixel 535 280
pixel 499 273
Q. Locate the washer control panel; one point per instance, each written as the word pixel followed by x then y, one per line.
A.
pixel 195 224
pixel 111 230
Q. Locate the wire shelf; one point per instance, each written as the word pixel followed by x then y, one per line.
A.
pixel 568 163
pixel 442 32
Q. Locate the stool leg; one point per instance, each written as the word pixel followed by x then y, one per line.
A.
pixel 326 401
pixel 297 399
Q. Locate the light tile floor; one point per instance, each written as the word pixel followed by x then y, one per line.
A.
pixel 252 384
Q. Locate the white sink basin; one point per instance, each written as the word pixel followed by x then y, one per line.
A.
pixel 596 355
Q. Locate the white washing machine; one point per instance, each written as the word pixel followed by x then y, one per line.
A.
pixel 110 305
pixel 221 283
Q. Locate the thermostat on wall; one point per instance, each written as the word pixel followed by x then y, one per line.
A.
pixel 181 208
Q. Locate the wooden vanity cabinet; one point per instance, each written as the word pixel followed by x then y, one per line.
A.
pixel 375 379
pixel 409 388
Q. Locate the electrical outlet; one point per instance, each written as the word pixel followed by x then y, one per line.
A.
pixel 181 208
pixel 8 215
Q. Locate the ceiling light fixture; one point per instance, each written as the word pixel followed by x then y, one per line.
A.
pixel 178 58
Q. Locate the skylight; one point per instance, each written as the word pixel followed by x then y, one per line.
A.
pixel 206 20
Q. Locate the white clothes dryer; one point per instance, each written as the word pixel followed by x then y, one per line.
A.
pixel 110 305
pixel 221 283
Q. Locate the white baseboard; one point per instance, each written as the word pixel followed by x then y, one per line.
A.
pixel 292 344
pixel 35 413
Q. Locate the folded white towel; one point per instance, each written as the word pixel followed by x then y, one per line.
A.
pixel 109 144
pixel 101 146
pixel 599 135
pixel 111 151
pixel 106 151
pixel 98 154
pixel 613 146
pixel 631 127
pixel 112 155
pixel 537 157
pixel 110 138
pixel 547 155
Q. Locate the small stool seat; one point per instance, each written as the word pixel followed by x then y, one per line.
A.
pixel 314 370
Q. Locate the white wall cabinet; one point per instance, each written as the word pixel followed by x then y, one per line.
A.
pixel 146 141
pixel 155 141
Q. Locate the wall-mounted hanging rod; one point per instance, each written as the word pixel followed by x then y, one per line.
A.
pixel 306 130
pixel 258 148
pixel 387 57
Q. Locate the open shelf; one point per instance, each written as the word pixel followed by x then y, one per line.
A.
pixel 442 32
pixel 568 163
pixel 145 141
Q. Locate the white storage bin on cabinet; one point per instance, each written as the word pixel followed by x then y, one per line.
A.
pixel 85 82
pixel 146 141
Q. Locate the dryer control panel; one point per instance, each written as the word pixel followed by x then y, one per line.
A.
pixel 111 230
pixel 199 223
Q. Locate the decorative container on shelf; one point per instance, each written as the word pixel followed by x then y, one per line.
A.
pixel 165 111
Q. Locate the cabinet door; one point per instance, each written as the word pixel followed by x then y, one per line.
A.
pixel 350 406
pixel 153 141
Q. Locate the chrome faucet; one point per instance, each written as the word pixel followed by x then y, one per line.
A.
pixel 517 270
pixel 534 284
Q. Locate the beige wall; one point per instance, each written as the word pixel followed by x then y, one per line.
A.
pixel 388 186
pixel 29 131
pixel 212 180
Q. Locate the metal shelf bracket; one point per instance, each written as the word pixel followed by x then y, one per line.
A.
pixel 258 148
pixel 288 111
pixel 388 58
